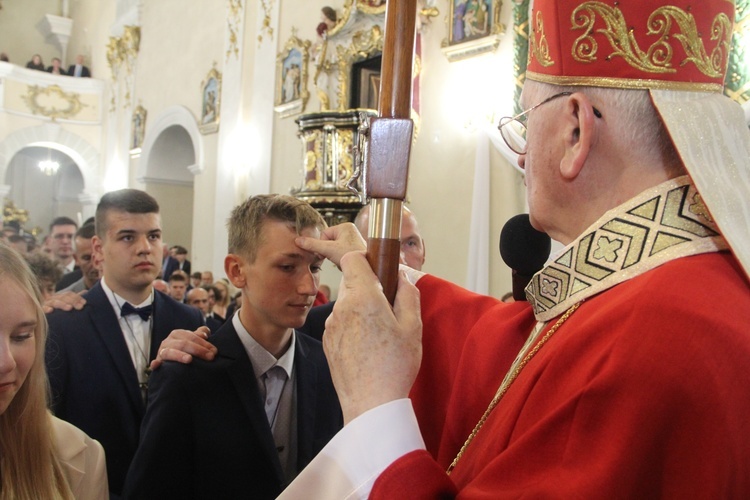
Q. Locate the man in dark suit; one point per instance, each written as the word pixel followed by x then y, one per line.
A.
pixel 412 255
pixel 98 357
pixel 177 260
pixel 78 69
pixel 244 425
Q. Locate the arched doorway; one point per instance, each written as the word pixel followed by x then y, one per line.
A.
pixel 170 159
pixel 44 195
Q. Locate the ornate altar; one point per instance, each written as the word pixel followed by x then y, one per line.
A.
pixel 328 140
pixel 346 76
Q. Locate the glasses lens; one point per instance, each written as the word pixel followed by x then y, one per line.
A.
pixel 514 134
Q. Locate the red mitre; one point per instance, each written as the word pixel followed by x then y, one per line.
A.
pixel 635 44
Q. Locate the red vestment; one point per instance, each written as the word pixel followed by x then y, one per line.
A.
pixel 643 392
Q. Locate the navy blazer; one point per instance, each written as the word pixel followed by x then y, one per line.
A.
pixel 93 380
pixel 205 434
pixel 315 323
pixel 171 265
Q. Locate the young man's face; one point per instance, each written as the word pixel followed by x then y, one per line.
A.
pixel 61 241
pixel 131 250
pixel 280 285
pixel 177 290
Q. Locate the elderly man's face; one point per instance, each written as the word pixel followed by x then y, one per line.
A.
pixel 544 152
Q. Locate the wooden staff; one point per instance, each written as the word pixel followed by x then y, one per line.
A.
pixel 390 137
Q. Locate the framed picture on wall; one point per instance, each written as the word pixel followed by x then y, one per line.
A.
pixel 291 77
pixel 473 28
pixel 210 101
pixel 137 128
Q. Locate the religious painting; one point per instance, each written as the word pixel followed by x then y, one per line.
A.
pixel 474 27
pixel 210 102
pixel 137 127
pixel 291 77
pixel 365 83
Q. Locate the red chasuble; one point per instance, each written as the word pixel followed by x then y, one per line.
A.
pixel 644 391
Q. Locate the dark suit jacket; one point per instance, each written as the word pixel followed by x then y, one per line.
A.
pixel 171 265
pixel 85 73
pixel 315 324
pixel 205 434
pixel 93 380
pixel 69 279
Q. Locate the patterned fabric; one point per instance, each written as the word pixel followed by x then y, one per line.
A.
pixel 682 45
pixel 663 223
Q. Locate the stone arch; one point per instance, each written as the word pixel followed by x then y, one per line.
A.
pixel 173 127
pixel 53 135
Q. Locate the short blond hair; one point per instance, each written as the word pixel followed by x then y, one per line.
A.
pixel 245 224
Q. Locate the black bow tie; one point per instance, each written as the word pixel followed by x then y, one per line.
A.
pixel 143 312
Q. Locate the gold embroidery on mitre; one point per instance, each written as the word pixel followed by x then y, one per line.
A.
pixel 658 58
pixel 661 224
pixel 540 49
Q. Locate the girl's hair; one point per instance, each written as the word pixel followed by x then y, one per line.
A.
pixel 28 466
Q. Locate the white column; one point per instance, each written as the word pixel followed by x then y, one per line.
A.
pixel 232 147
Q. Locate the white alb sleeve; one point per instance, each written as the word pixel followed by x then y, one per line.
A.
pixel 349 464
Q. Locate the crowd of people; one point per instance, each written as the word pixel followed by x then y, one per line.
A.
pixel 78 69
pixel 623 375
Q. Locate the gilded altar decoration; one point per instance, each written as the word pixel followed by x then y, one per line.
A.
pixel 210 101
pixel 53 102
pixel 328 141
pixel 122 53
pixel 473 28
pixel 291 77
pixel 371 6
pixel 265 27
pixel 234 24
pixel 13 213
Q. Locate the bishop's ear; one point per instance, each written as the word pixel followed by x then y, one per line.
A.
pixel 233 268
pixel 580 117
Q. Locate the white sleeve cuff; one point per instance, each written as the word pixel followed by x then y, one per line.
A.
pixel 349 464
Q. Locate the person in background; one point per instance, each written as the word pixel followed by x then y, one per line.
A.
pixel 55 69
pixel 4 57
pixel 207 278
pixel 161 286
pixel 177 286
pixel 36 63
pixel 412 255
pixel 62 231
pixel 18 243
pixel 47 273
pixel 79 69
pixel 84 257
pixel 42 456
pixel 195 279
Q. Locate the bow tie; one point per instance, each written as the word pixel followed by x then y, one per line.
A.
pixel 143 312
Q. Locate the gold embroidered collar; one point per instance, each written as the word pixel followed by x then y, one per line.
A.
pixel 661 224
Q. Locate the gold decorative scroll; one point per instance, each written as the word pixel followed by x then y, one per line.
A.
pixel 53 102
pixel 658 57
pixel 234 22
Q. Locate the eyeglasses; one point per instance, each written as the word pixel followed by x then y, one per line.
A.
pixel 515 136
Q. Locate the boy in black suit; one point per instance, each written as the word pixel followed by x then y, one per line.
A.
pixel 244 424
pixel 98 357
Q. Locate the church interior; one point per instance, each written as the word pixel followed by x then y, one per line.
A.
pixel 204 103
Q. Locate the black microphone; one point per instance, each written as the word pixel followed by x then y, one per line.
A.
pixel 524 250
